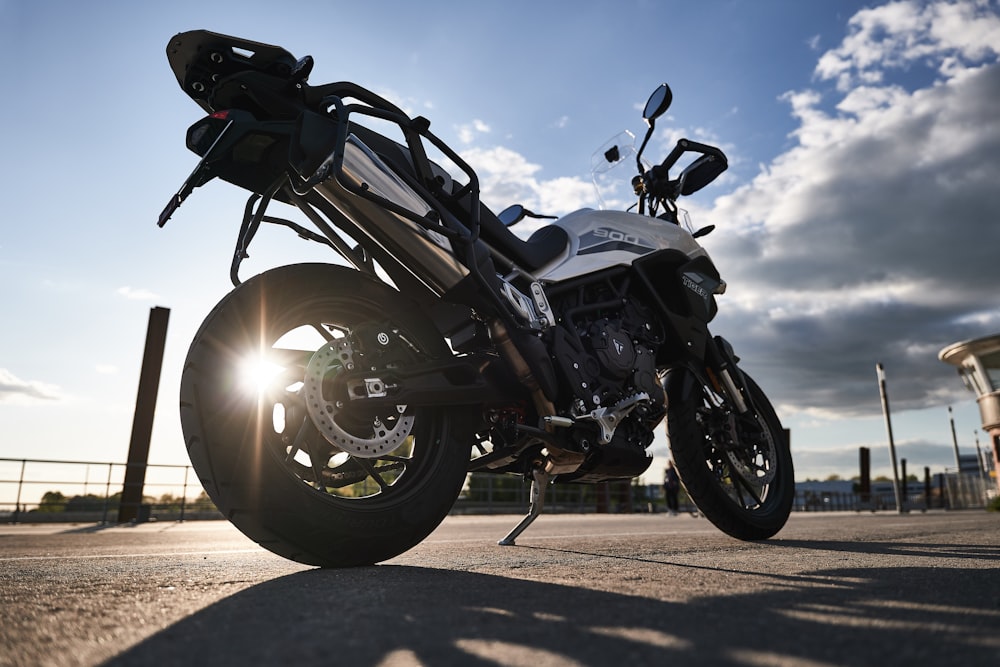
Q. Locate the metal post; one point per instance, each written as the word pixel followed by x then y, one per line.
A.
pixel 983 475
pixel 959 478
pixel 888 427
pixel 954 439
pixel 184 493
pixel 927 487
pixel 904 483
pixel 865 485
pixel 107 494
pixel 142 423
pixel 20 483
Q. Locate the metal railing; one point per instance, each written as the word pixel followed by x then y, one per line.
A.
pixel 956 491
pixel 41 490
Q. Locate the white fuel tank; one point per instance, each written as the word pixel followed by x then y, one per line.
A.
pixel 602 239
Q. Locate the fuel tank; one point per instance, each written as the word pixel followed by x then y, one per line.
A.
pixel 602 239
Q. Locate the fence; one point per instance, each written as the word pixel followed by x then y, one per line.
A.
pixel 967 490
pixel 955 491
pixel 38 490
pixel 492 494
pixel 507 494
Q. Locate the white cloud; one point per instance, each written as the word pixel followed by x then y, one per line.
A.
pixel 876 234
pixel 468 132
pixel 136 294
pixel 507 177
pixel 901 34
pixel 15 390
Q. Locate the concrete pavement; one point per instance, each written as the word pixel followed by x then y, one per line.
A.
pixel 830 589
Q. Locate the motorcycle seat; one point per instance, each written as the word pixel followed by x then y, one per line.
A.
pixel 543 246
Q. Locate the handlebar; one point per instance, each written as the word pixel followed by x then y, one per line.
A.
pixel 657 184
pixel 685 146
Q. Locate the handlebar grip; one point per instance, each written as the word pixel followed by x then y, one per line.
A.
pixel 686 145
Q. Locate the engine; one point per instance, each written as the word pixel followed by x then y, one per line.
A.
pixel 604 349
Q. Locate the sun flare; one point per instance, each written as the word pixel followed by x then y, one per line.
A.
pixel 257 374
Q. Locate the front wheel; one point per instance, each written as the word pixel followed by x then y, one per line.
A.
pixel 279 443
pixel 736 468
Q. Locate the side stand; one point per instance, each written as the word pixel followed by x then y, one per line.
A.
pixel 539 483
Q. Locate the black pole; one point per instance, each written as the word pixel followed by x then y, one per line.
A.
pixel 865 485
pixel 888 427
pixel 142 422
pixel 927 487
pixel 904 483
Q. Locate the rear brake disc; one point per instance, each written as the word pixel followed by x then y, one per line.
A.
pixel 367 438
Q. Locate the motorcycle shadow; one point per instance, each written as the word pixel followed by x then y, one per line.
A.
pixel 405 615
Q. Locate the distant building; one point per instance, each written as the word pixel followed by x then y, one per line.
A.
pixel 978 363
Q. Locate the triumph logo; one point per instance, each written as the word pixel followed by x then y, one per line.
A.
pixel 618 346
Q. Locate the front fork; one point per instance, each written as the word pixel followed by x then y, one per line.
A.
pixel 724 373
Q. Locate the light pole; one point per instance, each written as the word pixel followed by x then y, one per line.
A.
pixel 892 444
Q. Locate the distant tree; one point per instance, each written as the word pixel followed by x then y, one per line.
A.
pixel 52 501
pixel 87 503
pixel 202 503
pixel 833 478
pixel 169 501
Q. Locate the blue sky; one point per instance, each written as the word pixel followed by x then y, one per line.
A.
pixel 857 222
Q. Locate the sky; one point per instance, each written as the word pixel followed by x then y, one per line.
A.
pixel 857 223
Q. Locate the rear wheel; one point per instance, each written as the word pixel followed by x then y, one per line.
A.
pixel 736 468
pixel 276 439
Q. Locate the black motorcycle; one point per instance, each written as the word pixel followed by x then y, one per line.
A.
pixel 334 411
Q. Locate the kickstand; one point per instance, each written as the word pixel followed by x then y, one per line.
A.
pixel 539 483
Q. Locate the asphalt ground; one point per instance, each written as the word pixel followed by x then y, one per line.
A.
pixel 623 590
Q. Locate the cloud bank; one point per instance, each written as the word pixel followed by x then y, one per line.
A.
pixel 876 236
pixel 15 390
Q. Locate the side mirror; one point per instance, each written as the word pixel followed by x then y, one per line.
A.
pixel 511 215
pixel 658 103
pixel 516 213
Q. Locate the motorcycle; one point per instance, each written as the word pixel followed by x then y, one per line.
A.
pixel 333 411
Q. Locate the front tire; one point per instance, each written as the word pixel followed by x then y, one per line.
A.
pixel 736 468
pixel 256 446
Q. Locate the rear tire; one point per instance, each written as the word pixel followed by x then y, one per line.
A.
pixel 736 468
pixel 257 449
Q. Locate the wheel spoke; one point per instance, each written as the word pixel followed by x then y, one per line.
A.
pixel 735 487
pixel 738 481
pixel 300 437
pixel 369 467
pixel 323 330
